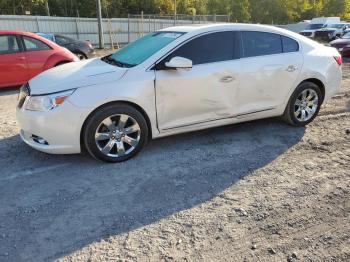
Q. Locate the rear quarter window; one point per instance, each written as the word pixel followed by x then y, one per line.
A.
pixel 289 45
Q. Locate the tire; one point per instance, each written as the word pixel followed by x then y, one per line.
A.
pixel 311 105
pixel 80 55
pixel 61 63
pixel 115 133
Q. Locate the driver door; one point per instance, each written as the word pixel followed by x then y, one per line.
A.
pixel 205 92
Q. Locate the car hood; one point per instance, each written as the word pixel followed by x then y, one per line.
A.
pixel 75 75
pixel 307 31
pixel 340 41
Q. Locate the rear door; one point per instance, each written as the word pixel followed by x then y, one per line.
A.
pixel 37 53
pixel 205 92
pixel 13 65
pixel 271 64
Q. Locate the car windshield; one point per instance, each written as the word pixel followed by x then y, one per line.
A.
pixel 346 36
pixel 338 26
pixel 137 52
pixel 47 36
pixel 314 26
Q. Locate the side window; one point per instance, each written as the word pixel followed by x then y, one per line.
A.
pixel 261 43
pixel 8 44
pixel 33 44
pixel 289 45
pixel 214 47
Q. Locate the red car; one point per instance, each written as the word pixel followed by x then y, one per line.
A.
pixel 23 55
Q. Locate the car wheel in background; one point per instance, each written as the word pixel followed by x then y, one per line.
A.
pixel 61 63
pixel 80 55
pixel 304 104
pixel 115 133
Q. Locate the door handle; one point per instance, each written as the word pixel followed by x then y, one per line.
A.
pixel 292 68
pixel 227 79
pixel 21 58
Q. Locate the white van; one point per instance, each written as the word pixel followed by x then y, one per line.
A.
pixel 318 23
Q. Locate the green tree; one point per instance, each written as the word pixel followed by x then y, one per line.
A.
pixel 339 8
pixel 239 10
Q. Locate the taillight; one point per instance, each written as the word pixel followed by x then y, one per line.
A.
pixel 339 60
pixel 89 45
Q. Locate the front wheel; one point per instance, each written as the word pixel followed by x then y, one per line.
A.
pixel 303 105
pixel 115 133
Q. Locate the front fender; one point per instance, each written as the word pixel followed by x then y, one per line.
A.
pixel 140 93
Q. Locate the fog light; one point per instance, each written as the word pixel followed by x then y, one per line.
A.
pixel 39 140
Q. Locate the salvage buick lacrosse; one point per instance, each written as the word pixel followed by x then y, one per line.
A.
pixel 177 80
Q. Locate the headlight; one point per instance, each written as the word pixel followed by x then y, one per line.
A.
pixel 24 91
pixel 47 102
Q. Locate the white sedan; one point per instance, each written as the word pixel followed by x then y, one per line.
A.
pixel 177 80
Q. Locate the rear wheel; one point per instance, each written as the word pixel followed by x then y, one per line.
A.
pixel 61 63
pixel 115 133
pixel 303 105
pixel 80 55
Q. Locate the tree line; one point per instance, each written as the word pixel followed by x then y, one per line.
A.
pixel 256 11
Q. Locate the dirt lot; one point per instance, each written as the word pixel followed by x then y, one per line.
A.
pixel 259 191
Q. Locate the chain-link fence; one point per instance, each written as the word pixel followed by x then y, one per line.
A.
pixel 116 30
pixel 181 18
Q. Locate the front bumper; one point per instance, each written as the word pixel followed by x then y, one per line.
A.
pixel 60 128
pixel 91 53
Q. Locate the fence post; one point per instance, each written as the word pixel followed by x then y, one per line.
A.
pixel 100 26
pixel 128 28
pixel 138 27
pixel 142 23
pixel 154 22
pixel 149 23
pixel 110 33
pixel 77 27
pixel 214 18
pixel 175 12
pixel 37 23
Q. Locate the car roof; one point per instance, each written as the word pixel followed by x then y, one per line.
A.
pixel 227 26
pixel 203 28
pixel 219 26
pixel 18 32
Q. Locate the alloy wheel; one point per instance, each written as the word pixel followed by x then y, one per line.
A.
pixel 117 135
pixel 306 105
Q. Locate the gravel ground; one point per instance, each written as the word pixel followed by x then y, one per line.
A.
pixel 258 191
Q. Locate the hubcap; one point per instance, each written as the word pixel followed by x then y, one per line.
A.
pixel 306 105
pixel 117 135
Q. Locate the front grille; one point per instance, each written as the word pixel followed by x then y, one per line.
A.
pixel 306 33
pixel 324 35
pixel 24 91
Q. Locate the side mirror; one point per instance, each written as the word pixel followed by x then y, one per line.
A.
pixel 178 62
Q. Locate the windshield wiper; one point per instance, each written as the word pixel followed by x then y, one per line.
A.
pixel 110 60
